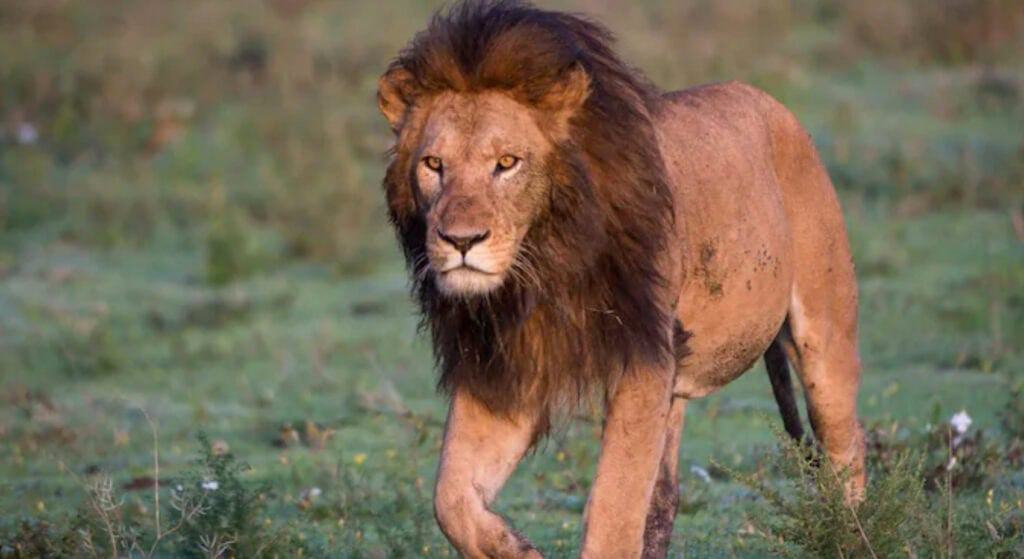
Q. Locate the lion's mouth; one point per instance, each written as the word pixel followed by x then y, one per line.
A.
pixel 467 268
pixel 466 279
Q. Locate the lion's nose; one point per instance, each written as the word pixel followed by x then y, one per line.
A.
pixel 463 241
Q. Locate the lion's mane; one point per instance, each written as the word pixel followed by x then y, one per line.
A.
pixel 589 308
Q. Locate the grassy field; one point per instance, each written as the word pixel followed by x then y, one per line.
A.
pixel 195 271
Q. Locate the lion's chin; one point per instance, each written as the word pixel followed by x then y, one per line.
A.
pixel 465 282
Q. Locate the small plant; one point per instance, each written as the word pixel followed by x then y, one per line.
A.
pixel 32 538
pixel 80 346
pixel 952 452
pixel 233 249
pixel 225 518
pixel 806 515
pixel 1012 415
pixel 212 513
pixel 384 511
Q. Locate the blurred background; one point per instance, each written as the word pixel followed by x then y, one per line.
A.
pixel 195 261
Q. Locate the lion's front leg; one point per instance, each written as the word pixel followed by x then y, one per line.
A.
pixel 665 500
pixel 631 449
pixel 480 452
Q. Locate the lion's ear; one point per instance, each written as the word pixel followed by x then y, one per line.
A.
pixel 565 98
pixel 394 95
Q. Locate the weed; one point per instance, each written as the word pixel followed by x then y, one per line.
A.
pixel 380 511
pixel 80 345
pixel 1012 414
pixel 212 512
pixel 966 458
pixel 229 516
pixel 234 250
pixel 806 514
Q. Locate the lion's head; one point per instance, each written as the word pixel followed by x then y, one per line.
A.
pixel 478 168
pixel 528 193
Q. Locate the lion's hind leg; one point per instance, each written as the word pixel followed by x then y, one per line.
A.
pixel 820 339
pixel 829 370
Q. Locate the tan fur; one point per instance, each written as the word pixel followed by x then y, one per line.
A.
pixel 764 254
pixel 755 251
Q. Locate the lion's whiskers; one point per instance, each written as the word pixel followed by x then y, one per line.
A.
pixel 523 264
pixel 420 267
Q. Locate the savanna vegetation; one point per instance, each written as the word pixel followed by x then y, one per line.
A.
pixel 207 348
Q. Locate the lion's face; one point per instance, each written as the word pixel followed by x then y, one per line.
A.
pixel 478 169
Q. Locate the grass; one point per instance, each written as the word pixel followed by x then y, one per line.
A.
pixel 196 236
pixel 252 363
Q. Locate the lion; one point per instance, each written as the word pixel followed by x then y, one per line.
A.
pixel 572 230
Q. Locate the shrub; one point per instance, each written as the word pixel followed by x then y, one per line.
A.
pixel 806 515
pixel 227 521
pixel 967 459
pixel 78 344
pixel 213 512
pixel 234 249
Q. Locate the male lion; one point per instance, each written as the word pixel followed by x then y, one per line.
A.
pixel 571 229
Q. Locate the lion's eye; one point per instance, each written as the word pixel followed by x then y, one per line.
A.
pixel 433 163
pixel 506 162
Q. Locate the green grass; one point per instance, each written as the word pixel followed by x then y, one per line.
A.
pixel 299 344
pixel 239 280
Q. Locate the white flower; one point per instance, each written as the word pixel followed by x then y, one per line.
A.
pixel 210 485
pixel 961 422
pixel 27 134
pixel 314 492
pixel 701 473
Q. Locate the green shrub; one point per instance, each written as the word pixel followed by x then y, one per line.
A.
pixel 805 513
pixel 77 345
pixel 386 513
pixel 230 508
pixel 235 249
pixel 211 512
pixel 968 460
pixel 808 516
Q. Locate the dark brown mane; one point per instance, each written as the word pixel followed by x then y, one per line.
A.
pixel 593 307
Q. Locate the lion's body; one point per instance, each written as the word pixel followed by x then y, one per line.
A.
pixel 755 214
pixel 760 256
pixel 735 263
pixel 571 230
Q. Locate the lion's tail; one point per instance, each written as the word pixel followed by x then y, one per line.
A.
pixel 782 387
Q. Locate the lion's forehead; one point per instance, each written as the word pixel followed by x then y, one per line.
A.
pixel 479 125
